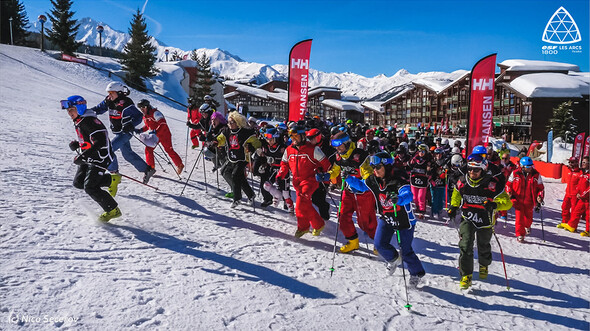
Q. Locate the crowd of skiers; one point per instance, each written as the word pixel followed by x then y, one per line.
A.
pixel 379 173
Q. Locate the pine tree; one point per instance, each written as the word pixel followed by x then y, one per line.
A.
pixel 16 10
pixel 204 82
pixel 64 28
pixel 139 54
pixel 563 122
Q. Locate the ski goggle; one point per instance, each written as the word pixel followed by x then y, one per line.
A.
pixel 376 160
pixel 66 104
pixel 271 136
pixel 339 142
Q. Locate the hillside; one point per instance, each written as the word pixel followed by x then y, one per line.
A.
pixel 188 262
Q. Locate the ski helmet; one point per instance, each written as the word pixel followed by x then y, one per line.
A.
pixel 312 133
pixel 457 160
pixel 526 162
pixel 208 97
pixel 422 148
pixel 456 150
pixel 477 161
pixel 339 139
pixel 116 87
pixel 479 150
pixel 144 103
pixel 75 101
pixel 205 108
pixel 383 158
pixel 272 133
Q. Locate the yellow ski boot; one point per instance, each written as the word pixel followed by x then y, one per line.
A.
pixel 108 215
pixel 350 246
pixel 115 180
pixel 465 282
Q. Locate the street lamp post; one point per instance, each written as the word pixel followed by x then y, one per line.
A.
pixel 99 29
pixel 11 40
pixel 166 52
pixel 42 19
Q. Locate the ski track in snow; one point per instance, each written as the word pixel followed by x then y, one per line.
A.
pixel 190 262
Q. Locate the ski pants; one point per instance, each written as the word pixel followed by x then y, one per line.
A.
pixel 166 141
pixel 235 175
pixel 304 211
pixel 91 179
pixel 121 141
pixel 567 207
pixel 319 199
pixel 467 235
pixel 420 197
pixel 195 133
pixel 383 237
pixel 364 206
pixel 580 209
pixel 523 216
pixel 438 199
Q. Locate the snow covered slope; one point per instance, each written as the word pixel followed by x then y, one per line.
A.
pixel 187 262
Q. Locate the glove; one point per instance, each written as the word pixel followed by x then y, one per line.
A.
pixel 322 177
pixel 490 206
pixel 452 212
pixel 393 197
pixel 74 145
pixel 79 160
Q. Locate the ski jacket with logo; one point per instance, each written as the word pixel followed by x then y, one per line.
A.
pixel 303 161
pixel 154 120
pixel 571 188
pixel 94 140
pixel 393 187
pixel 583 186
pixel 123 114
pixel 419 171
pixel 235 142
pixel 525 189
pixel 355 163
pixel 470 195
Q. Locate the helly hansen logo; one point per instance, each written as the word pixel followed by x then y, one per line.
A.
pixel 483 84
pixel 300 63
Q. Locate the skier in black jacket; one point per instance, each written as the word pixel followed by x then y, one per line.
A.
pixel 95 156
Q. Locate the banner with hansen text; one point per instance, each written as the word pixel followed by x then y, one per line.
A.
pixel 480 122
pixel 298 79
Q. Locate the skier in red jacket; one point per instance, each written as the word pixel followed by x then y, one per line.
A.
pixel 582 191
pixel 154 121
pixel 304 160
pixel 525 186
pixel 569 200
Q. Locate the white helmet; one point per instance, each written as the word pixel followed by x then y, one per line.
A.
pixel 116 87
pixel 457 160
pixel 208 97
pixel 456 150
pixel 205 108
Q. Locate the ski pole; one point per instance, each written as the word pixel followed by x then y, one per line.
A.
pixel 186 146
pixel 153 151
pixel 189 176
pixel 168 160
pixel 502 255
pixel 337 227
pixel 252 180
pixel 123 175
pixel 217 166
pixel 401 255
pixel 542 226
pixel 205 173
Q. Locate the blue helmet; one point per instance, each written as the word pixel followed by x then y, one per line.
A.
pixel 477 161
pixel 526 162
pixel 272 133
pixel 479 150
pixel 74 101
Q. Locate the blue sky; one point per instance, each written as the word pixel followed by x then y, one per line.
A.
pixel 364 37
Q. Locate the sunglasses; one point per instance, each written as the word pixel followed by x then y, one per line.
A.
pixel 65 104
pixel 474 169
pixel 377 161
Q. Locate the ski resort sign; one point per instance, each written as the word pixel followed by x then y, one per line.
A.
pixel 561 32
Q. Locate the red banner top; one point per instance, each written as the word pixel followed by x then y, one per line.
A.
pixel 299 79
pixel 481 103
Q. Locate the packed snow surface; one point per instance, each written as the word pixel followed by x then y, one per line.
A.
pixel 188 262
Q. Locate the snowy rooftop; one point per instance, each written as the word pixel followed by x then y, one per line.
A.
pixel 279 94
pixel 343 105
pixel 550 85
pixel 530 65
pixel 373 105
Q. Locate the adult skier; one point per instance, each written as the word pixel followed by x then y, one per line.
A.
pixel 154 121
pixel 125 120
pixel 569 200
pixel 525 186
pixel 477 195
pixel 304 160
pixel 581 208
pixel 94 157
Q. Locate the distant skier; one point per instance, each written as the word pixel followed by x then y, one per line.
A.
pixel 94 157
pixel 478 195
pixel 199 120
pixel 582 191
pixel 155 121
pixel 569 200
pixel 125 120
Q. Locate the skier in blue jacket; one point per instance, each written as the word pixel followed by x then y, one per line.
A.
pixel 393 197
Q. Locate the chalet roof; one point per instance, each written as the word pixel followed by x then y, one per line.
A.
pixel 343 105
pixel 320 89
pixel 278 94
pixel 408 89
pixel 551 85
pixel 373 105
pixel 532 65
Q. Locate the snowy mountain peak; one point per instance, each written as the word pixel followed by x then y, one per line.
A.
pixel 402 72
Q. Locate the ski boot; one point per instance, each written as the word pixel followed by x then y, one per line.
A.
pixel 560 225
pixel 568 227
pixel 483 271
pixel 114 187
pixel 290 206
pixel 300 233
pixel 350 246
pixel 108 215
pixel 266 203
pixel 393 264
pixel 317 232
pixel 229 195
pixel 148 174
pixel 179 169
pixel 465 282
pixel 584 233
pixel 415 280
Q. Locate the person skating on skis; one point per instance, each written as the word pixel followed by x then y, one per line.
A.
pixel 477 195
pixel 353 162
pixel 304 160
pixel 95 155
pixel 155 122
pixel 125 120
pixel 393 197
pixel 526 188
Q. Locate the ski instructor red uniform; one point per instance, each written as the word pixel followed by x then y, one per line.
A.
pixel 304 160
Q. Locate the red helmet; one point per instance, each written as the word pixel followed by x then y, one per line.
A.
pixel 312 133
